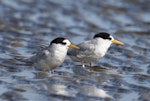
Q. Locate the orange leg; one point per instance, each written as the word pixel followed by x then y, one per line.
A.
pixel 90 64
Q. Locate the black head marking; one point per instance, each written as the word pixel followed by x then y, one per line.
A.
pixel 103 35
pixel 58 40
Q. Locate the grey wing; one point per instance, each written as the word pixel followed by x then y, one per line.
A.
pixel 86 49
pixel 39 56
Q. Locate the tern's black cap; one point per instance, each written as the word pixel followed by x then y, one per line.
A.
pixel 58 40
pixel 103 35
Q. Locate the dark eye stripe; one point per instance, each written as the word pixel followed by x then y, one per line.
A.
pixel 64 43
pixel 103 35
pixel 108 38
pixel 58 40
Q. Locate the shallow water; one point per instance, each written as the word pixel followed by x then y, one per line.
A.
pixel 123 74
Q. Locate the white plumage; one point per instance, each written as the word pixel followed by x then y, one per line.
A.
pixel 94 49
pixel 53 55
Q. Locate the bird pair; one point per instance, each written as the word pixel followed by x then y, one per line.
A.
pixel 87 51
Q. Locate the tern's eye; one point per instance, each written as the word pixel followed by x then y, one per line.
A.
pixel 64 43
pixel 109 38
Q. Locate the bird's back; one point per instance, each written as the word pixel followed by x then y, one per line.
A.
pixel 86 51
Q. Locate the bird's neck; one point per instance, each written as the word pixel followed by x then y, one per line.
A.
pixel 103 45
pixel 59 51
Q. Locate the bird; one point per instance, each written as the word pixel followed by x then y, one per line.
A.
pixel 94 49
pixel 53 55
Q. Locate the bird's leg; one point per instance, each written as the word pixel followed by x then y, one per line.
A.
pixel 90 64
pixel 52 72
pixel 83 64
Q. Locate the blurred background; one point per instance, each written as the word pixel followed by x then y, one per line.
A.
pixel 123 74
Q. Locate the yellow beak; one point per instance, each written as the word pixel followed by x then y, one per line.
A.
pixel 117 42
pixel 73 46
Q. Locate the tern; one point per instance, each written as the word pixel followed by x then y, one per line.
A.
pixel 94 49
pixel 52 56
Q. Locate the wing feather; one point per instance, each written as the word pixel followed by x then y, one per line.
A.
pixel 40 55
pixel 86 49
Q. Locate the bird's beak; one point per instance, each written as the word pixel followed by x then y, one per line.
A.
pixel 73 46
pixel 117 42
